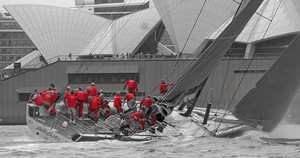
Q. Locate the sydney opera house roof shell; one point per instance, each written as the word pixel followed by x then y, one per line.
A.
pixel 57 31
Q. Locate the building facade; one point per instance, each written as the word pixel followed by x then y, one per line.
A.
pixel 14 43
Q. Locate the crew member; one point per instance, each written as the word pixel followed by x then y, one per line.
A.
pixel 94 106
pixel 145 104
pixel 55 93
pixel 132 86
pixel 163 87
pixel 118 102
pixel 139 117
pixel 47 99
pixel 71 99
pixel 105 109
pixel 67 93
pixel 80 94
pixel 92 90
pixel 37 99
pixel 130 99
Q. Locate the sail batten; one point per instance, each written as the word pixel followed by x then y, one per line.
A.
pixel 274 92
pixel 203 66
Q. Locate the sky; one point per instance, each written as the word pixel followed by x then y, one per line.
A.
pixel 61 3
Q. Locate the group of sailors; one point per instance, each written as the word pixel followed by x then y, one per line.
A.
pixel 74 101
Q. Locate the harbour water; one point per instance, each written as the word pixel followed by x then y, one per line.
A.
pixel 19 141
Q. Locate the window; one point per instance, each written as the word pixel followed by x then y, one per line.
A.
pixel 101 78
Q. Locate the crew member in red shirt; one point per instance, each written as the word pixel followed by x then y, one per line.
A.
pixel 132 86
pixel 37 98
pixel 67 93
pixel 139 117
pixel 47 98
pixel 130 99
pixel 55 93
pixel 94 106
pixel 163 87
pixel 118 102
pixel 145 104
pixel 147 101
pixel 92 90
pixel 105 109
pixel 80 94
pixel 71 106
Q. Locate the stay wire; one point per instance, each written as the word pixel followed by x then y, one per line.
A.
pixel 251 60
pixel 189 65
pixel 192 29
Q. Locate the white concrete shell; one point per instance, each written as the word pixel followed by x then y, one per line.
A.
pixel 189 22
pixel 124 34
pixel 274 18
pixel 57 31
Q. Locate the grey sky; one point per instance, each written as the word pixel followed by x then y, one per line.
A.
pixel 61 3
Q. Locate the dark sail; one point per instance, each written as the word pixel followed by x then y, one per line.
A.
pixel 210 58
pixel 265 105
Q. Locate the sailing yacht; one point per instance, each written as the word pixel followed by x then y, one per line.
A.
pixel 253 111
pixel 170 121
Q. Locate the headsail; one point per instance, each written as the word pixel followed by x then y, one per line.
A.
pixel 210 58
pixel 265 105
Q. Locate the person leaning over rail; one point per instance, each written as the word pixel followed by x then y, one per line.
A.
pixel 47 99
pixel 36 98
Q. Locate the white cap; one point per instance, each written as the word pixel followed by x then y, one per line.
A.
pixel 68 87
pixel 92 83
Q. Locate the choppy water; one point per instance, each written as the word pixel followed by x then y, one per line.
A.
pixel 18 141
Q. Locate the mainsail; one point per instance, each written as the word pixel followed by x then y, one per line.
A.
pixel 210 58
pixel 265 105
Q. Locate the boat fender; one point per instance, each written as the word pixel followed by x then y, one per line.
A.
pixel 65 124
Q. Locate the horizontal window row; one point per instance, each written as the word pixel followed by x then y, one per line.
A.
pixel 112 78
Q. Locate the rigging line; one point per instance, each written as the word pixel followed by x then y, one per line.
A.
pixel 240 4
pixel 102 37
pixel 193 27
pixel 194 52
pixel 253 56
pixel 263 8
pixel 223 84
pixel 209 86
pixel 120 29
pixel 85 61
pixel 161 18
pixel 256 23
pixel 233 78
pixel 110 27
pixel 188 68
